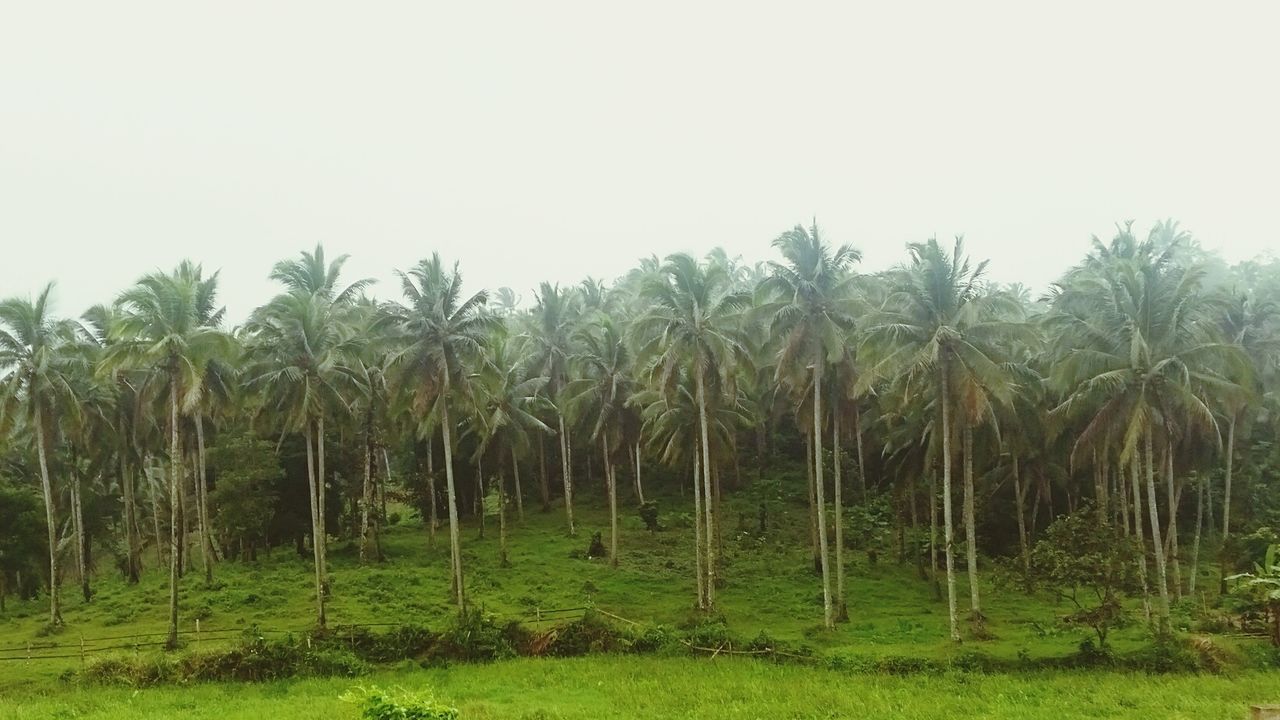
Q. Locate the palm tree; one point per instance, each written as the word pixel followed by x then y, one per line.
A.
pixel 936 326
pixel 551 340
pixel 170 327
pixel 813 318
pixel 602 397
pixel 441 334
pixel 35 367
pixel 690 326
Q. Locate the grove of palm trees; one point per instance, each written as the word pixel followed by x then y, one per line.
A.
pixel 1104 450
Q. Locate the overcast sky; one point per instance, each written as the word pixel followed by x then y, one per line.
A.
pixel 550 141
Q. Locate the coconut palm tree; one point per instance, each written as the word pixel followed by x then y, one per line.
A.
pixel 37 352
pixel 934 330
pixel 812 316
pixel 691 326
pixel 551 346
pixel 170 327
pixel 441 335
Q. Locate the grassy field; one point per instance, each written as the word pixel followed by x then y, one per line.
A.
pixel 599 688
pixel 769 587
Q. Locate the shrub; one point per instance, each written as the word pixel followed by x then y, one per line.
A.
pixel 590 634
pixel 476 635
pixel 400 704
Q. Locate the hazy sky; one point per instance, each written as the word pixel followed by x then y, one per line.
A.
pixel 547 140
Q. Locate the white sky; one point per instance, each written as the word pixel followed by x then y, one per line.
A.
pixel 549 140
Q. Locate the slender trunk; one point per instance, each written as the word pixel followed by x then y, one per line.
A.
pixel 1171 536
pixel 948 531
pixel 366 492
pixel 175 488
pixel 862 466
pixel 544 484
pixel 611 479
pixel 315 527
pixel 1161 572
pixel 431 491
pixel 133 568
pixel 479 503
pixel 970 532
pixel 322 532
pixel 566 474
pixel 77 523
pixel 382 486
pixel 697 526
pixel 50 516
pixel 1135 464
pixel 828 618
pixel 706 481
pixel 1020 497
pixel 933 534
pixel 1101 490
pixel 504 560
pixel 1195 544
pixel 202 491
pixel 1226 504
pixel 155 516
pixel 813 505
pixel 515 473
pixel 1123 500
pixel 842 608
pixel 455 542
pixel 639 485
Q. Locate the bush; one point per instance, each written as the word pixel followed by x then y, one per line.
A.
pixel 400 704
pixel 1166 655
pixel 477 636
pixel 581 637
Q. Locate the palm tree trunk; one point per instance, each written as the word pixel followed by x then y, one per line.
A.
pixel 1226 504
pixel 202 492
pixel 842 608
pixel 455 542
pixel 1157 546
pixel 862 466
pixel 948 530
pixel 504 559
pixel 431 491
pixel 611 480
pixel 175 472
pixel 77 523
pixel 697 526
pixel 515 472
pixel 639 485
pixel 706 481
pixel 813 505
pixel 933 534
pixel 1135 465
pixel 322 532
pixel 315 527
pixel 133 567
pixel 1195 544
pixel 970 531
pixel 479 503
pixel 155 516
pixel 366 492
pixel 1171 536
pixel 828 618
pixel 566 473
pixel 1020 497
pixel 544 484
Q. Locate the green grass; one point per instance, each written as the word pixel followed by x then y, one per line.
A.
pixel 599 688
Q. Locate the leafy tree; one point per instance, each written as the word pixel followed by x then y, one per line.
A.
pixel 247 470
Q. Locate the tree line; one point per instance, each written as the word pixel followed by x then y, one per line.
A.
pixel 1148 370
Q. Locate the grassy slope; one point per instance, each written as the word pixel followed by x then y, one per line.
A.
pixel 769 585
pixel 600 688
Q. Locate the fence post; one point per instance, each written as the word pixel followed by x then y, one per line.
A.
pixel 82 650
pixel 537 612
pixel 197 633
pixel 28 651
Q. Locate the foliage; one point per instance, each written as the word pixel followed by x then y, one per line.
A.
pixel 398 704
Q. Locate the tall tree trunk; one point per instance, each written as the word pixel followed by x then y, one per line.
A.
pixel 639 485
pixel 155 516
pixel 970 532
pixel 479 503
pixel 77 522
pixel 612 480
pixel 133 567
pixel 933 534
pixel 431 490
pixel 1123 500
pixel 1156 545
pixel 948 530
pixel 1226 504
pixel 1195 544
pixel 544 484
pixel 515 473
pixel 1171 536
pixel 322 532
pixel 50 514
pixel 455 542
pixel 202 492
pixel 828 619
pixel 175 489
pixel 1020 497
pixel 862 466
pixel 697 525
pixel 706 481
pixel 842 607
pixel 504 560
pixel 566 473
pixel 813 505
pixel 1135 464
pixel 366 492
pixel 315 525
